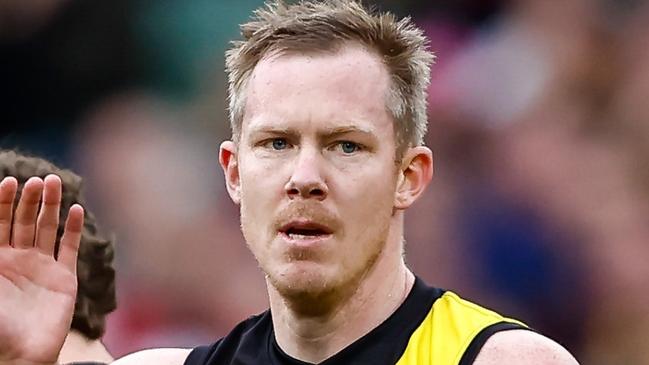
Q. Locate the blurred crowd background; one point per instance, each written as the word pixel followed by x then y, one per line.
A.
pixel 539 122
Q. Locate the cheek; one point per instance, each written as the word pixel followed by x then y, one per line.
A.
pixel 367 200
pixel 254 226
pixel 261 190
pixel 367 183
pixel 260 180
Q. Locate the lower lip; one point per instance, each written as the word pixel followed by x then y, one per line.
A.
pixel 304 240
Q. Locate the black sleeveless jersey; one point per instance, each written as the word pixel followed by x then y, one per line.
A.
pixel 431 327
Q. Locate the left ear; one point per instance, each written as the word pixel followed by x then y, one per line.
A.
pixel 415 172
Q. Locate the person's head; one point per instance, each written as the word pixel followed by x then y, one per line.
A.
pixel 95 273
pixel 328 113
pixel 326 27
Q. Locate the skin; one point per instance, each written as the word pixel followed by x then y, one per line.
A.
pixel 297 161
pixel 30 275
pixel 324 153
pixel 523 347
pixel 78 348
pixel 290 165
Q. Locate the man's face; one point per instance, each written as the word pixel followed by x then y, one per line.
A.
pixel 316 170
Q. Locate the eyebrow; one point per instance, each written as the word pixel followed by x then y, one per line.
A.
pixel 329 132
pixel 271 129
pixel 337 131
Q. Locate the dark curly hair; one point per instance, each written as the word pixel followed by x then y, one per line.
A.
pixel 95 273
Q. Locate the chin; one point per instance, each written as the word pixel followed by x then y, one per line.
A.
pixel 303 280
pixel 313 289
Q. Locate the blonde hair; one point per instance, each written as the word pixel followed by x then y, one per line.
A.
pixel 325 26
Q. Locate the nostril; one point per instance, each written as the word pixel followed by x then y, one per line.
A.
pixel 306 191
pixel 317 192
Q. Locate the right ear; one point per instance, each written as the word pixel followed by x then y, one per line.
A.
pixel 230 166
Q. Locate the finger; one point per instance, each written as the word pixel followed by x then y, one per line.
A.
pixel 48 218
pixel 71 238
pixel 25 217
pixel 8 188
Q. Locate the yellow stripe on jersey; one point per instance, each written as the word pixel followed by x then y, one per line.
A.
pixel 447 331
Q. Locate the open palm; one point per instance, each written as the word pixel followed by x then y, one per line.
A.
pixel 37 285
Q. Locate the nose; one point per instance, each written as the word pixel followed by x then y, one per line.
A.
pixel 307 181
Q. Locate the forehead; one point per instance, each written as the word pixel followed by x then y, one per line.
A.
pixel 316 90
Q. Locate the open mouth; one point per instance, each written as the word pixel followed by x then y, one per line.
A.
pixel 305 231
pixel 301 234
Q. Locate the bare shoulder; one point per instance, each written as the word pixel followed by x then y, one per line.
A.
pixel 523 347
pixel 169 356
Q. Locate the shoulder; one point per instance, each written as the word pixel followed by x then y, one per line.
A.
pixel 245 340
pixel 523 347
pixel 245 336
pixel 170 356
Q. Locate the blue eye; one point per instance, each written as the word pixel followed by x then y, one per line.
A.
pixel 349 147
pixel 279 144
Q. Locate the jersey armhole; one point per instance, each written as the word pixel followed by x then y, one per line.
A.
pixel 481 338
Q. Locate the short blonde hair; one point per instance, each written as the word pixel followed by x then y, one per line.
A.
pixel 317 26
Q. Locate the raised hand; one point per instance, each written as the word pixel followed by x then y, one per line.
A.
pixel 37 285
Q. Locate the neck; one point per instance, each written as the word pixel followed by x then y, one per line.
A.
pixel 315 337
pixel 77 348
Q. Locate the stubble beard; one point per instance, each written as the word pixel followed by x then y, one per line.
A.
pixel 314 291
pixel 318 293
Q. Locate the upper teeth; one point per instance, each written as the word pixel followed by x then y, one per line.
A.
pixel 299 236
